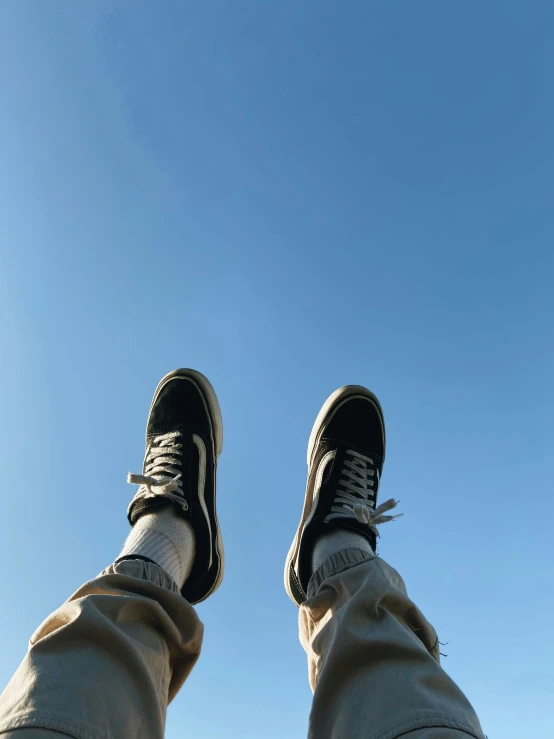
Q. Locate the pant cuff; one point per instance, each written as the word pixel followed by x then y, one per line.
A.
pixel 142 568
pixel 338 562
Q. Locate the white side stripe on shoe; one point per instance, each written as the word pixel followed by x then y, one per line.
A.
pixel 202 485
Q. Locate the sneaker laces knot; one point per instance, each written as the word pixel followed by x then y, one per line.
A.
pixel 358 477
pixel 160 477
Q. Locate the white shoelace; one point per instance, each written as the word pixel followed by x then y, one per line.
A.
pixel 161 476
pixel 358 480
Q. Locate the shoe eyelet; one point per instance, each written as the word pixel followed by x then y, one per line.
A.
pixel 326 519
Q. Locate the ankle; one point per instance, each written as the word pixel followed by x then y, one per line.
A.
pixel 165 538
pixel 335 541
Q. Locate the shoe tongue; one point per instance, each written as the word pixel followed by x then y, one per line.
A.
pixel 361 468
pixel 188 455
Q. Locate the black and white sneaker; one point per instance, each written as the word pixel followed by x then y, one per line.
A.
pixel 346 452
pixel 184 437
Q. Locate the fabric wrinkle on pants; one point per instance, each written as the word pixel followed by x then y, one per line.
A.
pixel 108 661
pixel 373 658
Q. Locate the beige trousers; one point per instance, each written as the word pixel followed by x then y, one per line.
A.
pixel 109 660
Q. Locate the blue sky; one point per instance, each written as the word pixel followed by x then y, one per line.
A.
pixel 288 197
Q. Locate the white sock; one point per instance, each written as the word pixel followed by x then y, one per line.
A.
pixel 336 541
pixel 167 539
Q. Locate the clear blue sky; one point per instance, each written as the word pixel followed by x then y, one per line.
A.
pixel 288 197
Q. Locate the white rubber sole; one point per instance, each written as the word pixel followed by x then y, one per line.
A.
pixel 323 417
pixel 214 411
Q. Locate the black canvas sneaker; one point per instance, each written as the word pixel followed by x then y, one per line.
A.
pixel 184 437
pixel 346 452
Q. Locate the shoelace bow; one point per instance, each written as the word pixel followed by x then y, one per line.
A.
pixel 160 475
pixel 358 476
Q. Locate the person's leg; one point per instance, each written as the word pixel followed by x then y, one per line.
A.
pixel 108 661
pixel 373 658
